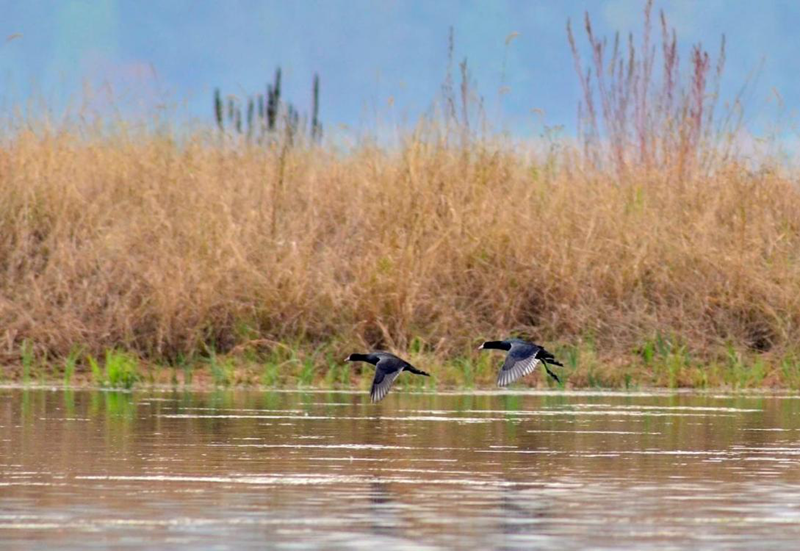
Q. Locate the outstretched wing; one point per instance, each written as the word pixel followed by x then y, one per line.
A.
pixel 386 371
pixel 520 361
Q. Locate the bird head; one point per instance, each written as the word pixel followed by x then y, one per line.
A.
pixel 495 345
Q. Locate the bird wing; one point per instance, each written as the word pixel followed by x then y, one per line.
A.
pixel 520 361
pixel 386 371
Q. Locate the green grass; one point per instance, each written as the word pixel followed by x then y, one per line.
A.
pixel 275 363
pixel 70 362
pixel 121 370
pixel 661 361
pixel 97 373
pixel 187 366
pixel 28 360
pixel 744 372
pixel 305 377
pixel 337 373
pixel 736 373
pixel 270 374
pixel 790 371
pixel 675 363
pixel 222 370
pixel 467 369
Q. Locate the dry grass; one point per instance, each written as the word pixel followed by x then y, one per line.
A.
pixel 644 255
pixel 172 251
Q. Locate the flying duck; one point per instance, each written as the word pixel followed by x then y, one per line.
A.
pixel 522 359
pixel 387 368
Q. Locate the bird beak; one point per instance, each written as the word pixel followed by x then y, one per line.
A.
pixel 347 359
pixel 480 347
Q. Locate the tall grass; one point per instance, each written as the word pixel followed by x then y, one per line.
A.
pixel 166 250
pixel 137 243
pixel 639 111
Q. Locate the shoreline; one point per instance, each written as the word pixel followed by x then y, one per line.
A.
pixel 581 392
pixel 201 379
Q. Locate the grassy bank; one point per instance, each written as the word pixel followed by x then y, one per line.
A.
pixel 645 252
pixel 296 368
pixel 176 254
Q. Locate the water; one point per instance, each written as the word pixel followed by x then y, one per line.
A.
pixel 253 470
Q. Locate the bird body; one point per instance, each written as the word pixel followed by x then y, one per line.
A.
pixel 521 360
pixel 387 368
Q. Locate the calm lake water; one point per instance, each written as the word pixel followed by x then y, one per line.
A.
pixel 285 470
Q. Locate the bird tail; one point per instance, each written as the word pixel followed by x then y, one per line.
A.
pixel 416 371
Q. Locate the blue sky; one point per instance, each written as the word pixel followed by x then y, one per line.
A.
pixel 369 54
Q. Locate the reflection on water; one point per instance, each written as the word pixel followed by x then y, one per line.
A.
pixel 277 470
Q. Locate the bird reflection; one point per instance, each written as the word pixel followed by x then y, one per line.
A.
pixel 383 511
pixel 521 518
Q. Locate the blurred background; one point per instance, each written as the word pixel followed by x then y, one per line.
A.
pixel 380 63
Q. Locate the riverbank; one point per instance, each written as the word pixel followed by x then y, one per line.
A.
pixel 583 369
pixel 656 246
pixel 270 265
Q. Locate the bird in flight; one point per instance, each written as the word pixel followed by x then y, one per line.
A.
pixel 387 368
pixel 521 360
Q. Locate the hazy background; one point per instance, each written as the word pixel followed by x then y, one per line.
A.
pixel 369 54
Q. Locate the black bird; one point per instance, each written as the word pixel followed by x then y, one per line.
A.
pixel 522 359
pixel 387 368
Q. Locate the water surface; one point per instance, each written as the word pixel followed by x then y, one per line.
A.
pixel 280 470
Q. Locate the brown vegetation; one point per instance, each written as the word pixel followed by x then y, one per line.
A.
pixel 179 250
pixel 161 249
